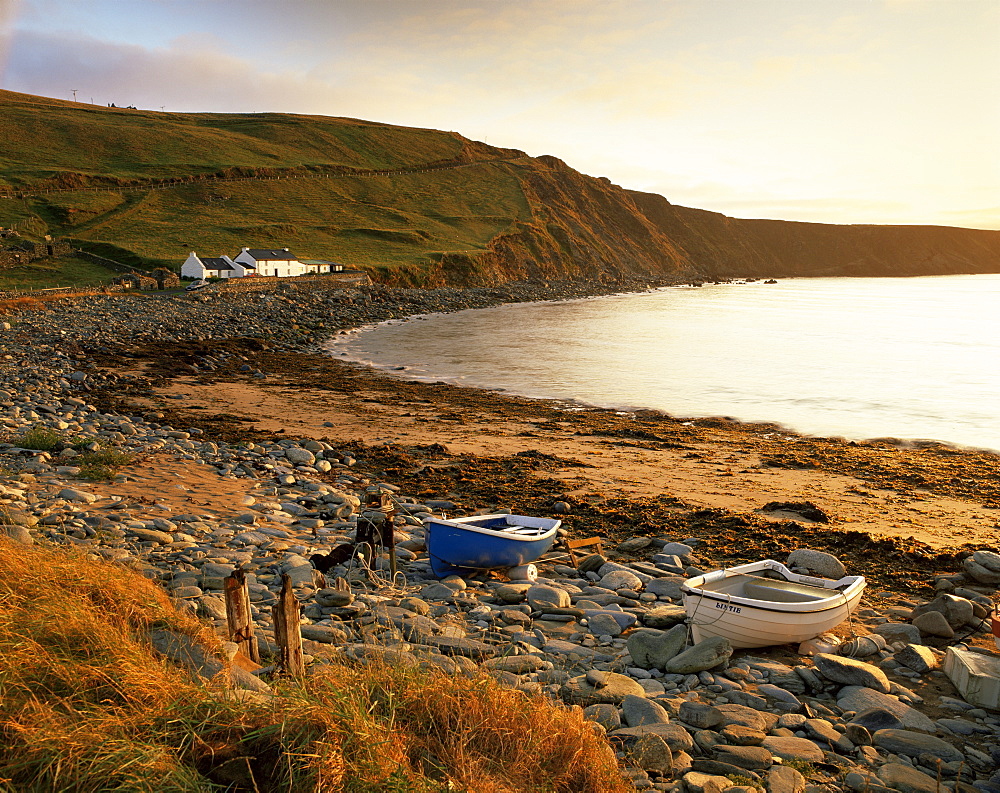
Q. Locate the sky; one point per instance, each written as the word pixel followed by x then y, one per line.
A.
pixel 837 111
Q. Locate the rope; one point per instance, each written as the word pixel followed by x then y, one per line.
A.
pixel 392 585
pixel 701 599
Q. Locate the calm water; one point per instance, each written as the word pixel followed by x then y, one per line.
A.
pixel 857 357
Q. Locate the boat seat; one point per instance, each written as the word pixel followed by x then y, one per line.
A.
pixel 785 591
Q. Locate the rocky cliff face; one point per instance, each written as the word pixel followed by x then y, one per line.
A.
pixel 578 226
pixel 586 227
pixel 720 246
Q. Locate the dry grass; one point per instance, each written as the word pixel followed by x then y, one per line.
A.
pixel 86 705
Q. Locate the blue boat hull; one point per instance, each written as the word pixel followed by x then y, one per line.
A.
pixel 486 542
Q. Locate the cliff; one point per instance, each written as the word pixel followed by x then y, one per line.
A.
pixel 721 246
pixel 410 206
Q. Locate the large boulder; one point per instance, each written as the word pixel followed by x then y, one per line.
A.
pixel 906 779
pixel 917 657
pixel 785 779
pixel 651 753
pixel 914 744
pixel 818 562
pixel 956 610
pixel 851 672
pixel 894 632
pixel 17 533
pixel 706 654
pixel 752 758
pixel 699 715
pixel 639 710
pixel 541 597
pixel 605 714
pixel 668 587
pixel 620 579
pixel 860 700
pixel 984 567
pixel 933 623
pixel 747 717
pixel 600 687
pixel 299 456
pixel 663 617
pixel 792 748
pixel 677 738
pixel 513 592
pixel 652 649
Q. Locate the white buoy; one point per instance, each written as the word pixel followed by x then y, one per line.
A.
pixel 524 572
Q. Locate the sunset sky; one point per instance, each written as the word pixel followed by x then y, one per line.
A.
pixel 841 111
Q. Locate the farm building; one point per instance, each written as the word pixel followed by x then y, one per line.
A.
pixel 274 262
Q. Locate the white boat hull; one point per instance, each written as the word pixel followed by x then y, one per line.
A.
pixel 718 605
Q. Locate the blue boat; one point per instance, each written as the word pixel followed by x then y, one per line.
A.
pixel 486 542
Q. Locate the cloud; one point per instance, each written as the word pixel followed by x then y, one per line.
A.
pixel 8 14
pixel 196 73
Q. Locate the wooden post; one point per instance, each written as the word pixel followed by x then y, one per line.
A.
pixel 388 540
pixel 238 615
pixel 287 634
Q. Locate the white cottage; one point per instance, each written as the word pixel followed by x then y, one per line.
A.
pixel 213 267
pixel 274 262
pixel 279 262
pixel 321 266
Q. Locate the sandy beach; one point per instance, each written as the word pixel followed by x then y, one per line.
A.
pixel 622 474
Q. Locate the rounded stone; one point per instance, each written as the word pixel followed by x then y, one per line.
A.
pixel 934 623
pixel 540 597
pixel 706 654
pixel 819 562
pixel 620 579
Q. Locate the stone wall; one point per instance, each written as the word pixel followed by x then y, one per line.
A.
pixel 14 258
pixel 165 279
pixel 25 252
pixel 63 291
pixel 111 264
pixel 136 281
pixel 265 283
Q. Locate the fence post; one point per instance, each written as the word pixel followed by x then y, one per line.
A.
pixel 238 615
pixel 287 634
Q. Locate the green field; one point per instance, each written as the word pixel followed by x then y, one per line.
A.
pixel 382 223
pixel 61 271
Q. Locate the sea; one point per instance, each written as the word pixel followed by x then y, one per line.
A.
pixel 859 358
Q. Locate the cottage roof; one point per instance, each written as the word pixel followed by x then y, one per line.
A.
pixel 272 254
pixel 213 263
pixel 317 262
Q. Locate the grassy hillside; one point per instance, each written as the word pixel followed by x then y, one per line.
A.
pixel 46 139
pixel 59 271
pixel 407 220
pixel 413 206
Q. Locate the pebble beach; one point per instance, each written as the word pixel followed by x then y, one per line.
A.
pixel 249 447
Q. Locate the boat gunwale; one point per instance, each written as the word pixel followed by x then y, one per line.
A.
pixel 457 523
pixel 854 588
pixel 838 603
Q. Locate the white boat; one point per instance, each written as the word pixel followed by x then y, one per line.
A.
pixel 764 603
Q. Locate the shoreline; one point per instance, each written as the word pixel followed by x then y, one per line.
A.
pixel 928 499
pixel 385 357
